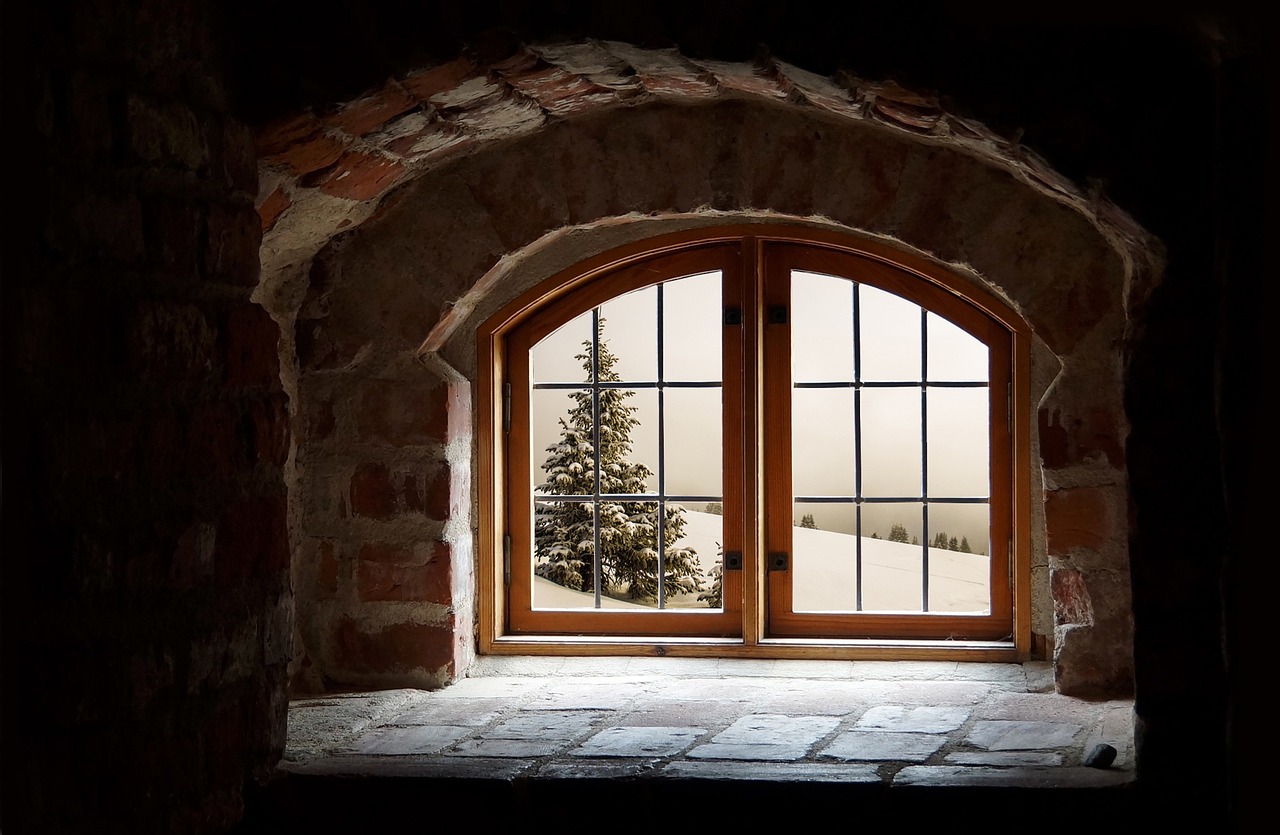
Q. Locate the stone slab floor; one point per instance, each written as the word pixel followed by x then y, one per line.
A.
pixel 559 738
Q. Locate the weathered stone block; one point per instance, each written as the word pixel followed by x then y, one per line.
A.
pixel 397 648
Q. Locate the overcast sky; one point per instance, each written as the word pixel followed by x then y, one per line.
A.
pixel 822 351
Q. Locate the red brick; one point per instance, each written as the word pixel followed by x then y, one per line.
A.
pixel 252 352
pixel 316 154
pixel 283 134
pixel 427 83
pixel 1071 603
pixel 212 447
pixel 327 569
pixel 360 176
pixel 372 493
pixel 1068 441
pixel 270 418
pixel 436 503
pixel 252 540
pixel 388 581
pixel 366 114
pixel 233 237
pixel 271 208
pixel 392 649
pixel 411 493
pixel 1076 518
pixel 320 420
pixel 401 413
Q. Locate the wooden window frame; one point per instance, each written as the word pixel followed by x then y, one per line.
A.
pixel 744 628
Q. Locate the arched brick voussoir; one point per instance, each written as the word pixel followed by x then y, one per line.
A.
pixel 878 146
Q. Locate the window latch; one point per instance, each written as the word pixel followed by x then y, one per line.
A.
pixel 506 408
pixel 506 560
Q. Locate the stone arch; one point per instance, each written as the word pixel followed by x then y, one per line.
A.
pixel 395 223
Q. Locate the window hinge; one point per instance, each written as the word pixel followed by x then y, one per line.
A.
pixel 506 408
pixel 506 560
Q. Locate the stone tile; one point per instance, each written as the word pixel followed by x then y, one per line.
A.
pixel 747 751
pixel 486 666
pixel 638 742
pixel 708 689
pixel 1031 778
pixel 599 693
pixel 418 739
pixel 546 724
pixel 468 712
pixel 878 745
pixel 814 697
pixel 803 668
pixel 773 729
pixel 928 719
pixel 497 687
pixel 502 770
pixel 710 715
pixel 1004 758
pixel 507 748
pixel 586 769
pixel 781 772
pixel 1010 735
pixel 907 671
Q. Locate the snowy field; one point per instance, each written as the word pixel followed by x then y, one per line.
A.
pixel 825 574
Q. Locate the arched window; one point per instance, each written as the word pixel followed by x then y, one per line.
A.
pixel 761 441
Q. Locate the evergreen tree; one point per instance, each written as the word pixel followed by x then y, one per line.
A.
pixel 806 521
pixel 714 507
pixel 953 544
pixel 564 540
pixel 940 541
pixel 964 545
pixel 714 595
pixel 898 533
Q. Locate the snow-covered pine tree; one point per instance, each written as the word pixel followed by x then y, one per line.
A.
pixel 564 541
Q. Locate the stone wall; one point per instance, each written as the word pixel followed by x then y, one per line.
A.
pixel 477 167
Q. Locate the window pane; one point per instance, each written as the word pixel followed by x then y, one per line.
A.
pixel 822 457
pixel 891 438
pixel 704 533
pixel 691 328
pixel 693 446
pixel 959 442
pixel 824 558
pixel 629 440
pixel 563 461
pixel 955 355
pixel 821 328
pixel 889 336
pixel 554 358
pixel 563 563
pixel 959 565
pixel 892 557
pixel 629 324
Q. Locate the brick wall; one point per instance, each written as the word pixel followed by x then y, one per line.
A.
pixel 147 613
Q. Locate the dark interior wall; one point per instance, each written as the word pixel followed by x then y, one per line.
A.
pixel 146 609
